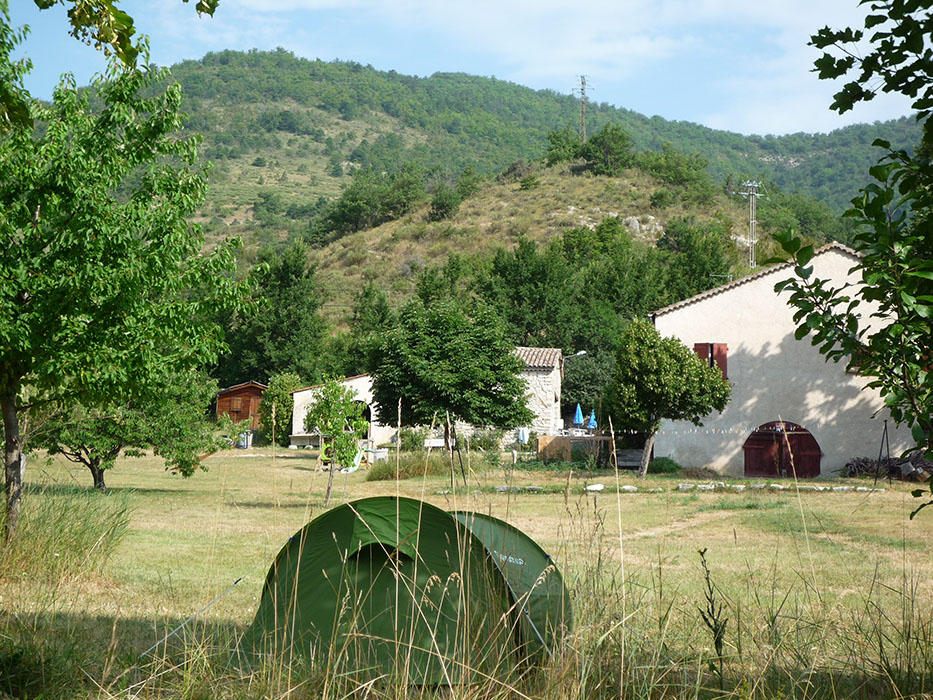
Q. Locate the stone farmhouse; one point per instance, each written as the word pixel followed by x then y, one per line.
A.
pixel 543 372
pixel 791 412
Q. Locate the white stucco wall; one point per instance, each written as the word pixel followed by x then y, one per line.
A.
pixel 774 377
pixel 363 389
pixel 543 399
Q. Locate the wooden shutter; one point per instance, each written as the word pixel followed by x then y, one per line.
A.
pixel 715 354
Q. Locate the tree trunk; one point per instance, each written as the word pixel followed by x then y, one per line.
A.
pixel 646 454
pixel 330 473
pixel 12 462
pixel 98 473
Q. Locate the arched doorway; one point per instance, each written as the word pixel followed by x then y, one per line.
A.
pixel 781 448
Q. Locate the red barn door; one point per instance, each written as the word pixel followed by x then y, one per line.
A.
pixel 782 449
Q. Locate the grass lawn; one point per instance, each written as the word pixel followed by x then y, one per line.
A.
pixel 824 594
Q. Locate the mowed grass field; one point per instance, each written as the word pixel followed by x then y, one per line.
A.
pixel 825 594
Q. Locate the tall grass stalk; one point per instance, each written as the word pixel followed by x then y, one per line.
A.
pixel 65 533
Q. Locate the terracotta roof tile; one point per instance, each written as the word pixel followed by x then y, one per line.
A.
pixel 539 358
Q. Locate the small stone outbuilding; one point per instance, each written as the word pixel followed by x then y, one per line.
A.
pixel 543 372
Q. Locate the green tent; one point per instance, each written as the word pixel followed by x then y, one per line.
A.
pixel 396 588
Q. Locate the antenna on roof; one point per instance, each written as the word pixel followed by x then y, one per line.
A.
pixel 749 190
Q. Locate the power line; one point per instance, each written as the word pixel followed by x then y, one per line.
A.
pixel 749 190
pixel 583 109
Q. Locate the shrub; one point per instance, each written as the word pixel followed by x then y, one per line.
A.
pixel 662 198
pixel 663 465
pixel 487 439
pixel 409 466
pixel 530 182
pixel 445 203
pixel 413 439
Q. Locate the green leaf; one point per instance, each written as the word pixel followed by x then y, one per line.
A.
pixel 804 255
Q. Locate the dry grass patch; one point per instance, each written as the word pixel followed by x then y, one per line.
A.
pixel 824 593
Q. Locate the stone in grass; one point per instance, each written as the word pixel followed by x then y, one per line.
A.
pixel 842 488
pixel 706 487
pixel 807 487
pixel 737 487
pixel 655 490
pixel 757 485
pixel 777 487
pixel 534 489
pixel 594 487
pixel 720 485
pixel 507 489
pixel 442 493
pixel 685 487
pixel 628 488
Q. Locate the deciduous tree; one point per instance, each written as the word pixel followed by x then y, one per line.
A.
pixel 172 422
pixel 661 378
pixel 338 417
pixel 439 359
pixel 103 298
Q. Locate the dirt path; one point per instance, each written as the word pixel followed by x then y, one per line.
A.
pixel 691 522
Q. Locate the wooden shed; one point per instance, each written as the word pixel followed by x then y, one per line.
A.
pixel 241 401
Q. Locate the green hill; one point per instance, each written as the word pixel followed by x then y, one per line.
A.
pixel 290 130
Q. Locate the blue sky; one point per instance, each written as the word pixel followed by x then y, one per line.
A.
pixel 728 64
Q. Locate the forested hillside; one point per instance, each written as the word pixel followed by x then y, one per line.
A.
pixel 270 118
pixel 361 189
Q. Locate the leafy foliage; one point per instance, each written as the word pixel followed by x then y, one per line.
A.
pixel 563 146
pixel 609 151
pixel 14 99
pixel 103 24
pixel 104 298
pixel 586 378
pixel 899 62
pixel 172 422
pixel 279 395
pixel 661 378
pixel 575 293
pixel 369 200
pixel 445 203
pixel 338 417
pixel 703 255
pixel 284 332
pixel 440 358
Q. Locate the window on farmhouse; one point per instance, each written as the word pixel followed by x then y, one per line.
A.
pixel 236 403
pixel 715 354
